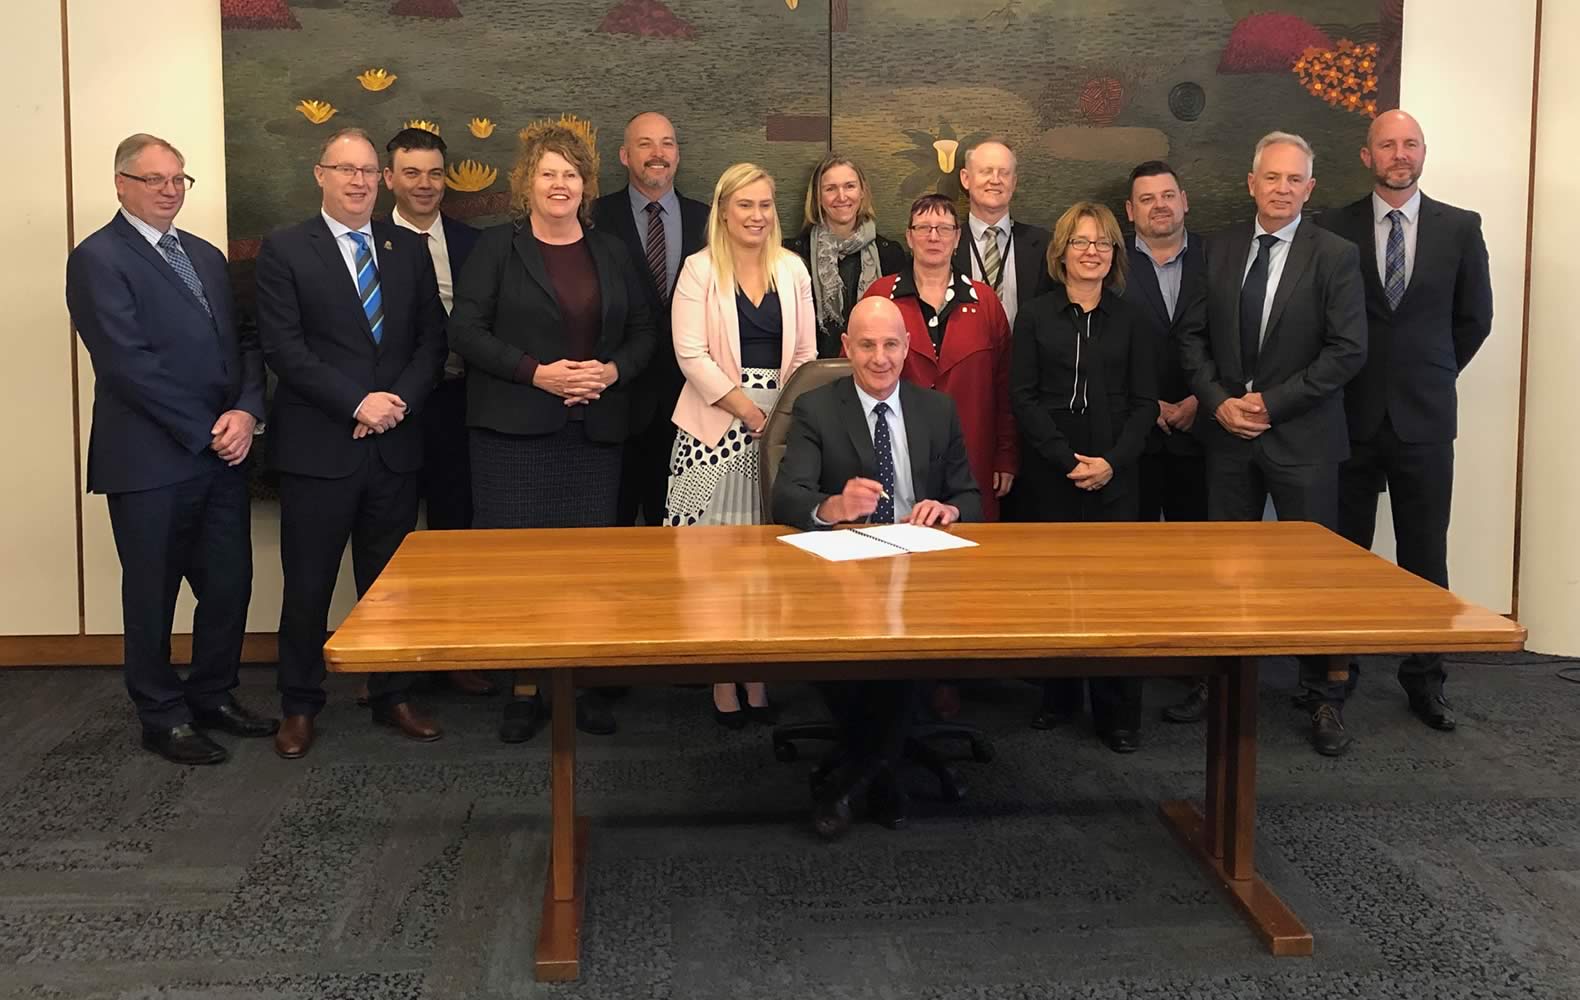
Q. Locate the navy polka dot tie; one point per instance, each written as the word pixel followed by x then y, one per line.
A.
pixel 883 445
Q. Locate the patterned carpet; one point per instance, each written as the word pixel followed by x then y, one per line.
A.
pixel 1427 865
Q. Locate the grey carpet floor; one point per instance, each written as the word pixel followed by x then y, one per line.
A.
pixel 1426 864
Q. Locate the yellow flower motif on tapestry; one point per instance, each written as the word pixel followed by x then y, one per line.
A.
pixel 316 112
pixel 376 79
pixel 1344 76
pixel 946 153
pixel 424 124
pixel 469 175
pixel 482 128
pixel 580 126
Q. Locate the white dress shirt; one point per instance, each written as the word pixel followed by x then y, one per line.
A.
pixel 1383 226
pixel 1275 270
pixel 348 249
pixel 149 233
pixel 904 491
pixel 440 252
pixel 1008 290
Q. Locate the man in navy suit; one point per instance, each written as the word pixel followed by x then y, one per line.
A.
pixel 352 324
pixel 177 394
pixel 660 229
pixel 415 174
pixel 1428 310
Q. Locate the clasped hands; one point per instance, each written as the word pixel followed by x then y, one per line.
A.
pixel 377 413
pixel 577 382
pixel 1179 416
pixel 1244 417
pixel 860 498
pixel 1090 473
pixel 232 436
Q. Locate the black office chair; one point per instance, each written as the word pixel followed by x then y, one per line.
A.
pixel 919 747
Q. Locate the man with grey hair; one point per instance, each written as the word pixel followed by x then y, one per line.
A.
pixel 1268 348
pixel 1006 255
pixel 177 393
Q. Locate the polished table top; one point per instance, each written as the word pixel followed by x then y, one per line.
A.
pixel 625 597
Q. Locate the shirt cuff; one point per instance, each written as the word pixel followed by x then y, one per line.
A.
pixel 818 520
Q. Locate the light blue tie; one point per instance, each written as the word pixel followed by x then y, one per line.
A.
pixel 1394 269
pixel 179 262
pixel 368 285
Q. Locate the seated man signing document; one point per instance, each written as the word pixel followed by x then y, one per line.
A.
pixel 871 447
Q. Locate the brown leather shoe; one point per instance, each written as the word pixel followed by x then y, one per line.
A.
pixel 472 682
pixel 946 701
pixel 411 725
pixel 295 736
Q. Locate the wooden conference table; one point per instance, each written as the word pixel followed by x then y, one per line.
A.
pixel 656 605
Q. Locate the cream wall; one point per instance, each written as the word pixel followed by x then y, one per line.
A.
pixel 1550 532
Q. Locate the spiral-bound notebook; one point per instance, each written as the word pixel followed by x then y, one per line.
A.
pixel 875 542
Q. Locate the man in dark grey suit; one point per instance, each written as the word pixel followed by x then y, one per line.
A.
pixel 1429 308
pixel 1008 255
pixel 873 447
pixel 1279 332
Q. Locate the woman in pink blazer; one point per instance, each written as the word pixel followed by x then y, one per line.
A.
pixel 743 320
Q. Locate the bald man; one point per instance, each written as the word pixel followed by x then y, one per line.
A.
pixel 660 229
pixel 1428 310
pixel 1010 256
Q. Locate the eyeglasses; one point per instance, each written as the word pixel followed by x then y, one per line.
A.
pixel 157 182
pixel 1080 243
pixel 349 172
pixel 947 229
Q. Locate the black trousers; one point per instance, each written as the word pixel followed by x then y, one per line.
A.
pixel 1419 478
pixel 1173 487
pixel 373 508
pixel 445 481
pixel 199 530
pixel 874 717
pixel 644 473
pixel 1239 482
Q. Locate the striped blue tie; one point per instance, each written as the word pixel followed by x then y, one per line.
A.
pixel 1393 282
pixel 368 285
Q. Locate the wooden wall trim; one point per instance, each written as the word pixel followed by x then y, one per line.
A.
pixel 1525 320
pixel 105 650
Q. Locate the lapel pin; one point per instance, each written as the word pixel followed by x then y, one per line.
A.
pixel 388 245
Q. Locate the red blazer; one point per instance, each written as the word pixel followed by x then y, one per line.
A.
pixel 974 371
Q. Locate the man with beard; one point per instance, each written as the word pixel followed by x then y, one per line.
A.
pixel 1428 310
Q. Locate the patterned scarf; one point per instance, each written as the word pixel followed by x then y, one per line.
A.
pixel 827 286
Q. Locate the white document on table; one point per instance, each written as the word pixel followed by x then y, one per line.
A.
pixel 875 542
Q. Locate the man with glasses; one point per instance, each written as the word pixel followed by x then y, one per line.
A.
pixel 177 395
pixel 352 324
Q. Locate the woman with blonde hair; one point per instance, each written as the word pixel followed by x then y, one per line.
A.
pixel 743 322
pixel 1083 386
pixel 552 320
pixel 840 246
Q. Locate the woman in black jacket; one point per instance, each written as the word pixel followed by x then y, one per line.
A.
pixel 840 246
pixel 1083 386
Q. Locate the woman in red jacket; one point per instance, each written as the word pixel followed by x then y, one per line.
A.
pixel 960 343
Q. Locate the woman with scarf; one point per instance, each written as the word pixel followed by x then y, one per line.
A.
pixel 841 246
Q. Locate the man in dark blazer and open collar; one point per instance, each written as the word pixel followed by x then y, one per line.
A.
pixel 1429 308
pixel 1268 350
pixel 1009 256
pixel 352 324
pixel 659 239
pixel 176 396
pixel 873 447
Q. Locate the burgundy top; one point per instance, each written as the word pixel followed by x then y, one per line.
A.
pixel 575 280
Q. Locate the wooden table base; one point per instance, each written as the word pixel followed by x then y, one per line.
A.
pixel 559 958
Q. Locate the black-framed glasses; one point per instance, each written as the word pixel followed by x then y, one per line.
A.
pixel 349 172
pixel 932 229
pixel 1080 243
pixel 157 182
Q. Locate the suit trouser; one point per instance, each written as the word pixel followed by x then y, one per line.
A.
pixel 1173 487
pixel 445 481
pixel 1239 481
pixel 644 473
pixel 874 717
pixel 200 530
pixel 374 508
pixel 1420 481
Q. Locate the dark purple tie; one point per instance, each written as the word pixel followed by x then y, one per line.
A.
pixel 657 258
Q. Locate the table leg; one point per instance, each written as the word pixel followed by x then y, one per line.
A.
pixel 1224 839
pixel 564 890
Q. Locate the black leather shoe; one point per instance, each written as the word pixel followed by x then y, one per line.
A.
pixel 731 720
pixel 763 715
pixel 232 718
pixel 831 817
pixel 1122 740
pixel 1190 708
pixel 1051 718
pixel 1432 709
pixel 1328 737
pixel 593 715
pixel 183 745
pixel 888 803
pixel 521 719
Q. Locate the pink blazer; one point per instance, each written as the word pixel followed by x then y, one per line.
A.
pixel 707 337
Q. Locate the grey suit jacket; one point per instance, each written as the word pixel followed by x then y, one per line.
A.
pixel 829 445
pixel 1314 344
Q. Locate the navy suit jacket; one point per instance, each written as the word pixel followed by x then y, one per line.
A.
pixel 1417 351
pixel 1142 291
pixel 164 370
pixel 318 341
